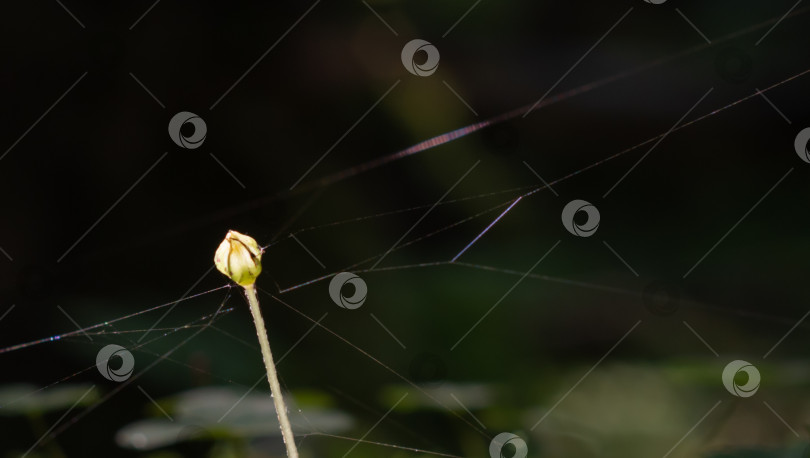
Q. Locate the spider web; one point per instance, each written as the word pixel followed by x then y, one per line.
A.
pixel 161 341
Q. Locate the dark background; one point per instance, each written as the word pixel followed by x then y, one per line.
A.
pixel 299 99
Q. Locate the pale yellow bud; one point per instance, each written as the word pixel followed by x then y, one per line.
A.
pixel 239 257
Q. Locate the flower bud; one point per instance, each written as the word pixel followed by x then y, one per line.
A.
pixel 239 257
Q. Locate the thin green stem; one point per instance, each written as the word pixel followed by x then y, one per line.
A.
pixel 272 377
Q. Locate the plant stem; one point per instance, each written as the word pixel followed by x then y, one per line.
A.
pixel 272 377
